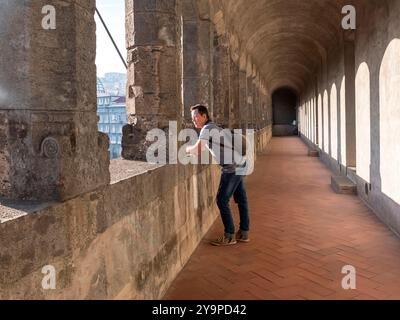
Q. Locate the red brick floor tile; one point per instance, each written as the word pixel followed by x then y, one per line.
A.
pixel 302 234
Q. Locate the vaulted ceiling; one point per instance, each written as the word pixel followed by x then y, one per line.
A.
pixel 287 39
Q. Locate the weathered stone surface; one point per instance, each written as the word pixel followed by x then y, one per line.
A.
pixel 197 51
pixel 130 242
pixel 250 102
pixel 154 72
pixel 49 122
pixel 154 6
pixel 127 240
pixel 234 104
pixel 221 80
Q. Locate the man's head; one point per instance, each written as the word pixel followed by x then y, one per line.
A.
pixel 200 115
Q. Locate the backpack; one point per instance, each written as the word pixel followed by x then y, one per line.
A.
pixel 239 143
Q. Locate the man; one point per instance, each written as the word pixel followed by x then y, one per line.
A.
pixel 231 184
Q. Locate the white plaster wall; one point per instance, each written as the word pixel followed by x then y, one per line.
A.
pixel 306 115
pixel 334 123
pixel 305 119
pixel 363 121
pixel 320 121
pixel 301 119
pixel 343 122
pixel 312 120
pixel 326 122
pixel 308 119
pixel 389 85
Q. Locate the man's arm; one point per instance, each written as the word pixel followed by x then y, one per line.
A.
pixel 198 148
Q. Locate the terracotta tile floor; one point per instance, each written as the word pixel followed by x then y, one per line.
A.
pixel 302 235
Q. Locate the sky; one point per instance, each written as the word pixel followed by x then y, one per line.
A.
pixel 107 58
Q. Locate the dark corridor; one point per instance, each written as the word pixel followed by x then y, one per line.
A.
pixel 284 103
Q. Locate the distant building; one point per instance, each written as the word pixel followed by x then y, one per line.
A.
pixel 114 83
pixel 112 117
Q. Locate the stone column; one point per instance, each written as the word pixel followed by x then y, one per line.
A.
pixel 317 115
pixel 234 112
pixel 263 103
pixel 50 148
pixel 243 99
pixel 349 70
pixel 221 80
pixel 197 51
pixel 254 108
pixel 250 99
pixel 268 107
pixel 257 116
pixel 154 72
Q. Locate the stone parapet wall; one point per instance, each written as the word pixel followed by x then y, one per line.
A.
pixel 48 121
pixel 263 137
pixel 127 240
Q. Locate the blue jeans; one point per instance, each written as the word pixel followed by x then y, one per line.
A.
pixel 232 184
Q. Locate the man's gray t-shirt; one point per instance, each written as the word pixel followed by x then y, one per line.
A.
pixel 220 146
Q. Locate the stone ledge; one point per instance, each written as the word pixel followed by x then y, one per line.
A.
pixel 119 170
pixel 313 153
pixel 343 185
pixel 125 169
pixel 14 209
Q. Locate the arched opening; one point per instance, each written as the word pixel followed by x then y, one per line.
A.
pixel 284 102
pixel 334 122
pixel 111 72
pixel 389 83
pixel 363 121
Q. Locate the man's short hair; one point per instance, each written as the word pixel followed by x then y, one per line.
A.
pixel 203 110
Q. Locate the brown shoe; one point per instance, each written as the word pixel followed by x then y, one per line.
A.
pixel 223 241
pixel 242 237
